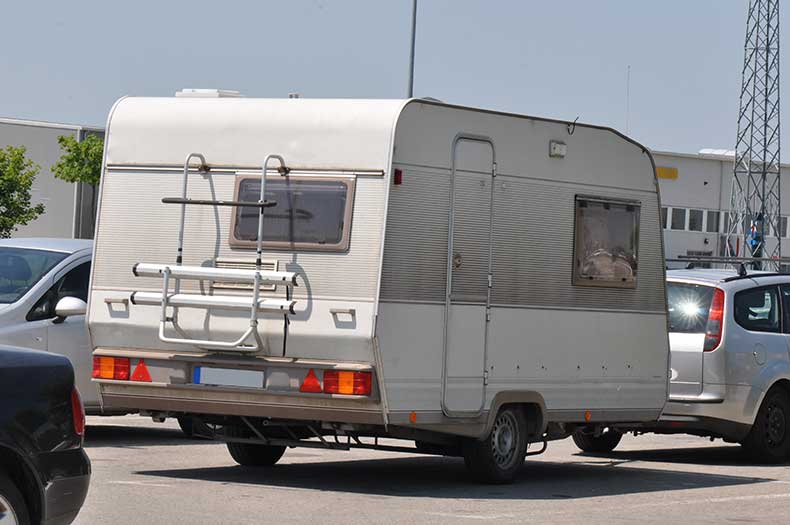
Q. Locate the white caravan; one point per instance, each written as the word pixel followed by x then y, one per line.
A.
pixel 470 280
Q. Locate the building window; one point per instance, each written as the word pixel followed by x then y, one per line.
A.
pixel 713 222
pixel 678 218
pixel 607 239
pixel 664 218
pixel 695 220
pixel 312 213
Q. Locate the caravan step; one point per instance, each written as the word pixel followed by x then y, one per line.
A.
pixel 214 274
pixel 230 302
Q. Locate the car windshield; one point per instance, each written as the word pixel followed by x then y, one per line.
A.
pixel 688 306
pixel 22 268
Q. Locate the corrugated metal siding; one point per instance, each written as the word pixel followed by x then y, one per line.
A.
pixel 470 236
pixel 136 227
pixel 533 244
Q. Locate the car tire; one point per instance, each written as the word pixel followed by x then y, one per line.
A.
pixel 251 454
pixel 498 458
pixel 12 501
pixel 588 442
pixel 769 439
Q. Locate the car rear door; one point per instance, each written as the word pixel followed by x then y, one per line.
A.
pixel 688 306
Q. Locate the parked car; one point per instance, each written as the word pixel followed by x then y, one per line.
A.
pixel 44 472
pixel 43 296
pixel 729 337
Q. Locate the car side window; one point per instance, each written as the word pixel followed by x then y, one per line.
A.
pixel 73 284
pixel 757 310
pixel 785 290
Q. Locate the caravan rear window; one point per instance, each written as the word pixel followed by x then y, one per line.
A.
pixel 311 213
pixel 607 238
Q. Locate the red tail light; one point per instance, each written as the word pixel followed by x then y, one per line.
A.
pixel 77 413
pixel 111 368
pixel 715 321
pixel 346 382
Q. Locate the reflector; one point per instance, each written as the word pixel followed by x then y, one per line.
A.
pixel 141 372
pixel 311 383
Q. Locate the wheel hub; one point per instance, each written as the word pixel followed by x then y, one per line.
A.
pixel 7 514
pixel 776 426
pixel 504 439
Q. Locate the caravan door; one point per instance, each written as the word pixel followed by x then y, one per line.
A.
pixel 469 276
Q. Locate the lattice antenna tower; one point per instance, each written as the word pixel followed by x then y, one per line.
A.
pixel 754 221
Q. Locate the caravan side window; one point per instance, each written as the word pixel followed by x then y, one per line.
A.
pixel 312 213
pixel 607 239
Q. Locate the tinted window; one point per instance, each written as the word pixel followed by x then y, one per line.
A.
pixel 73 284
pixel 688 306
pixel 607 238
pixel 695 220
pixel 713 222
pixel 757 310
pixel 309 213
pixel 678 218
pixel 21 269
pixel 786 306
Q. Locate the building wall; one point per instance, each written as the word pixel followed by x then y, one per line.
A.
pixel 701 183
pixel 70 208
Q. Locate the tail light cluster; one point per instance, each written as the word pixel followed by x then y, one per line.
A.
pixel 346 382
pixel 715 321
pixel 118 368
pixel 77 413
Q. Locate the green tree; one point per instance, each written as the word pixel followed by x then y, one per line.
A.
pixel 80 161
pixel 17 173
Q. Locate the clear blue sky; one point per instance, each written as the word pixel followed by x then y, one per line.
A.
pixel 68 61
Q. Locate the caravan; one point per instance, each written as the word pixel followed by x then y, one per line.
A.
pixel 326 273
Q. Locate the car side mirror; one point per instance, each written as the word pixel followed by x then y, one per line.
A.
pixel 69 306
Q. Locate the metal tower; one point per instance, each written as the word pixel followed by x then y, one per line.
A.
pixel 754 222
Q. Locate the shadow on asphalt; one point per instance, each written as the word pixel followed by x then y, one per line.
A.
pixel 131 436
pixel 447 478
pixel 732 455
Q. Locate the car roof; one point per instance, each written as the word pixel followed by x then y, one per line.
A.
pixel 46 243
pixel 714 275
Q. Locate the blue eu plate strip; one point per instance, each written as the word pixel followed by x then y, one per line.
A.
pixel 196 375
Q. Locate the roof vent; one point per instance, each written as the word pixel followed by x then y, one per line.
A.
pixel 207 93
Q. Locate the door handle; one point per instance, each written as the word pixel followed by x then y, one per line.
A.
pixel 340 311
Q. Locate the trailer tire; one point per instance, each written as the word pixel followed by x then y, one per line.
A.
pixel 588 442
pixel 252 454
pixel 499 457
pixel 11 499
pixel 769 439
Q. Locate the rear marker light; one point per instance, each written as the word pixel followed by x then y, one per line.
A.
pixel 715 321
pixel 311 384
pixel 111 368
pixel 77 413
pixel 397 179
pixel 347 382
pixel 141 372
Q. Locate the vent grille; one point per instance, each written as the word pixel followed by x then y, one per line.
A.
pixel 243 264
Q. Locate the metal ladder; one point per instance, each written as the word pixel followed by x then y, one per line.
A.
pixel 255 304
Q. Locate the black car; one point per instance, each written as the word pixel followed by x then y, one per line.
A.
pixel 44 472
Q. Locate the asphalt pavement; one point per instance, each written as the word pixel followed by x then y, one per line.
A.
pixel 146 472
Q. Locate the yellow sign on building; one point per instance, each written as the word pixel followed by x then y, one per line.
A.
pixel 663 172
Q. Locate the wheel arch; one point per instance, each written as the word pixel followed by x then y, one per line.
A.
pixel 530 401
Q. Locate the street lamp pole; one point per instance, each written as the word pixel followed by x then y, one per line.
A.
pixel 411 57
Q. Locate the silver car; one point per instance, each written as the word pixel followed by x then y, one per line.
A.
pixel 43 295
pixel 729 337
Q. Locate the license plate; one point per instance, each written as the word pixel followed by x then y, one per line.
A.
pixel 204 375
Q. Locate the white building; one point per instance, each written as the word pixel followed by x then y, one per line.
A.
pixel 70 208
pixel 695 199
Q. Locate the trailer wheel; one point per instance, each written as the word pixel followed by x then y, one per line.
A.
pixel 769 439
pixel 498 458
pixel 588 442
pixel 251 454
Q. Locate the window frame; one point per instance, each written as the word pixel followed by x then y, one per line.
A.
pixel 779 304
pixel 578 280
pixel 345 240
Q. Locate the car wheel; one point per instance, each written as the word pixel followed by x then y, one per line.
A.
pixel 13 510
pixel 769 439
pixel 589 442
pixel 498 458
pixel 251 454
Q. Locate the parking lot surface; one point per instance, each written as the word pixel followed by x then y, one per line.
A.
pixel 145 472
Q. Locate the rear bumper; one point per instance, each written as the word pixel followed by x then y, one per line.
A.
pixel 66 477
pixel 228 402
